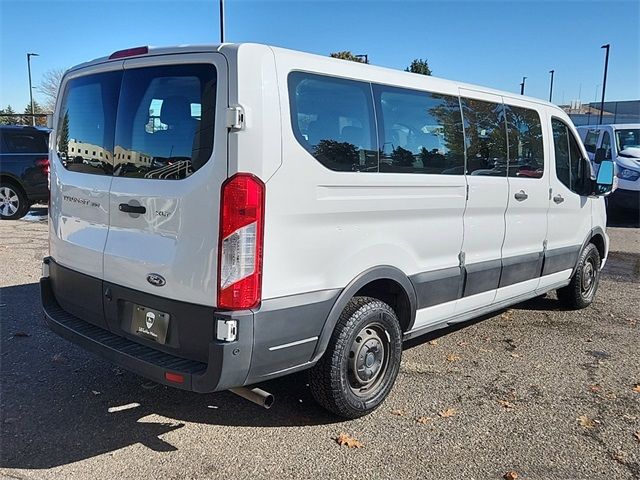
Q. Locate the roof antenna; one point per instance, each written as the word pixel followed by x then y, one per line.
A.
pixel 221 21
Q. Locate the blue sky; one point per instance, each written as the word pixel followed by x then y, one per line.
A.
pixel 491 43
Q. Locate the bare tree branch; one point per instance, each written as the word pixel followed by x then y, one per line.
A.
pixel 49 87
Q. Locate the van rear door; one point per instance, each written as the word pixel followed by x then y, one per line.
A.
pixel 170 160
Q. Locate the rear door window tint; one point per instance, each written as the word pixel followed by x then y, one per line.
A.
pixel 526 151
pixel 485 136
pixel 163 132
pixel 419 132
pixel 333 119
pixel 86 125
pixel 24 141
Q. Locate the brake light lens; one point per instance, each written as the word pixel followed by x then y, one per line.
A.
pixel 43 163
pixel 129 52
pixel 241 241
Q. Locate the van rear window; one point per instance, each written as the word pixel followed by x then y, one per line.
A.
pixel 152 122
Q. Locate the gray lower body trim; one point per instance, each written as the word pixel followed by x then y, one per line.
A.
pixel 439 286
pixel 482 277
pixel 520 268
pixel 560 259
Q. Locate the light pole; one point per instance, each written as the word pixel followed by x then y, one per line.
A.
pixel 551 87
pixel 604 81
pixel 29 55
pixel 221 21
pixel 522 86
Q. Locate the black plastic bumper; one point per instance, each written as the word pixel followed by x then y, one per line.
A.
pixel 225 368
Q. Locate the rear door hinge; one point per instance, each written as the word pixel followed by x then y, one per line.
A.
pixel 235 118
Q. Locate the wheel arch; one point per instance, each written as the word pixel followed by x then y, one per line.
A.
pixel 598 237
pixel 385 283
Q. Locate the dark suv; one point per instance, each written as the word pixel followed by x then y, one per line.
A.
pixel 24 168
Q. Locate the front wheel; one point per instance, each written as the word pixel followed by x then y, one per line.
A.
pixel 582 289
pixel 362 360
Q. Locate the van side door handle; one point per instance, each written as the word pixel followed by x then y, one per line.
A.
pixel 125 207
pixel 521 196
pixel 558 199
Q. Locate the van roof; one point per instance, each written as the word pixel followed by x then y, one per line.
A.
pixel 283 51
pixel 615 126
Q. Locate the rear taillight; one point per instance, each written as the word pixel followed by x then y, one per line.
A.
pixel 43 163
pixel 241 239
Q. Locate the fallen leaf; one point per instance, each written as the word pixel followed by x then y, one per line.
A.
pixel 423 420
pixel 21 334
pixel 507 315
pixel 506 404
pixel 399 412
pixel 448 412
pixel 637 435
pixel 452 357
pixel 510 475
pixel 433 342
pixel 350 442
pixel 585 421
pixel 594 388
pixel 516 355
pixel 636 389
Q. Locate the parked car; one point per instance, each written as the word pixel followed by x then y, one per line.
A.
pixel 276 242
pixel 24 169
pixel 621 144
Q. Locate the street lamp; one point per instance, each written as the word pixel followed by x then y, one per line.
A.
pixel 551 87
pixel 29 55
pixel 604 81
pixel 522 86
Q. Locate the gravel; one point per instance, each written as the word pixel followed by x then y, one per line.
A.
pixel 519 381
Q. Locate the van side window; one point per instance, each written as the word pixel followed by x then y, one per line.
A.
pixel 526 150
pixel 591 140
pixel 570 166
pixel 163 132
pixel 87 122
pixel 419 132
pixel 333 119
pixel 606 144
pixel 486 137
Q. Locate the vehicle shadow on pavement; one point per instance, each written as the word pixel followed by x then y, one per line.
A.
pixel 61 404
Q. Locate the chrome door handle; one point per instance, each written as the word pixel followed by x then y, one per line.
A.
pixel 558 199
pixel 521 196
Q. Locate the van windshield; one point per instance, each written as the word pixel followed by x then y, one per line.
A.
pixel 152 122
pixel 628 137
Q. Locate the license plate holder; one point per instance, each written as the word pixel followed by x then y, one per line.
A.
pixel 150 324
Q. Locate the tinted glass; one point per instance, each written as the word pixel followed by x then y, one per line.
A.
pixel 526 151
pixel 419 132
pixel 485 136
pixel 87 121
pixel 568 159
pixel 591 140
pixel 333 119
pixel 163 130
pixel 628 137
pixel 23 141
pixel 606 144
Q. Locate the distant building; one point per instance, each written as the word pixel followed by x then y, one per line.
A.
pixel 614 112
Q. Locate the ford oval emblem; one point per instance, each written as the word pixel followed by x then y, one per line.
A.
pixel 156 280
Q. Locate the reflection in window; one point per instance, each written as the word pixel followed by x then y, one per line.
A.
pixel 569 163
pixel 162 132
pixel 526 150
pixel 606 144
pixel 420 132
pixel 485 134
pixel 333 119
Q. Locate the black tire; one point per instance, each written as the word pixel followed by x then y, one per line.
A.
pixel 13 201
pixel 362 360
pixel 583 286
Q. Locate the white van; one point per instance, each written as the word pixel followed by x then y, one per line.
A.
pixel 259 211
pixel 621 144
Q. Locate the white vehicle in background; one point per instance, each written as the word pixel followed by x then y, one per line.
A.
pixel 621 144
pixel 287 211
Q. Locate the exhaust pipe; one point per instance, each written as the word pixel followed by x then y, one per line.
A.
pixel 255 395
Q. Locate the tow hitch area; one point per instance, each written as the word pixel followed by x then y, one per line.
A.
pixel 255 395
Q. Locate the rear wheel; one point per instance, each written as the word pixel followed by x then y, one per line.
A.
pixel 13 202
pixel 361 363
pixel 583 286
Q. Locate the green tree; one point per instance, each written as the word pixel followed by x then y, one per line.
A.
pixel 26 119
pixel 419 66
pixel 7 120
pixel 347 55
pixel 63 139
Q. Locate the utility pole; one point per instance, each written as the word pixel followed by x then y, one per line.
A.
pixel 29 55
pixel 221 21
pixel 604 81
pixel 551 87
pixel 522 86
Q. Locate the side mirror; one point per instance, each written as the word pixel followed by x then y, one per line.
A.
pixel 601 154
pixel 604 179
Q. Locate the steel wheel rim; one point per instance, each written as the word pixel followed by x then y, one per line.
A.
pixel 368 359
pixel 589 273
pixel 9 202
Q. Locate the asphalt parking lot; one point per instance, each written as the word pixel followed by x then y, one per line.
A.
pixel 546 393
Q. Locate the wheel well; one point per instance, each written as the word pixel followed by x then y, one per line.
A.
pixel 393 294
pixel 598 241
pixel 12 181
